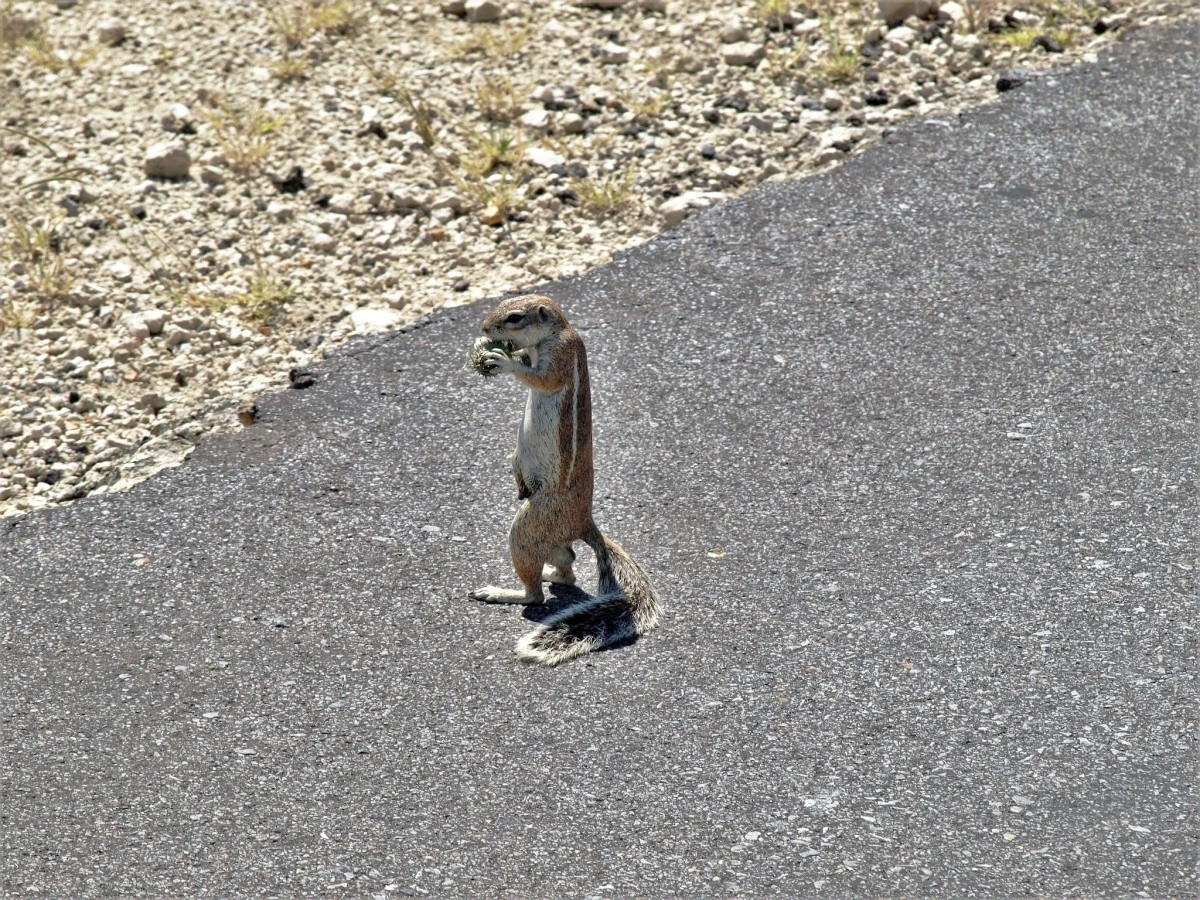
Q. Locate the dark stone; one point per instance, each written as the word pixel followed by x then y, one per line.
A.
pixel 738 104
pixel 291 183
pixel 461 285
pixel 708 151
pixel 1012 78
pixel 711 116
pixel 811 103
pixel 877 97
pixel 301 379
pixel 375 128
pixel 1048 43
pixel 138 211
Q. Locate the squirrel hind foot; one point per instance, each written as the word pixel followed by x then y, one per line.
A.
pixel 492 594
pixel 557 575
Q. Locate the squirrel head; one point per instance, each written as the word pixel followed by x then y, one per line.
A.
pixel 525 321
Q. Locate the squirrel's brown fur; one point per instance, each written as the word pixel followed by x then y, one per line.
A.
pixel 553 469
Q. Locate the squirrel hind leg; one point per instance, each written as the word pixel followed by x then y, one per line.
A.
pixel 559 570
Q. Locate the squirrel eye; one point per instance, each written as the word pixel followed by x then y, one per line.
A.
pixel 514 318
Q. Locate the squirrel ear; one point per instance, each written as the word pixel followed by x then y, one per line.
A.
pixel 543 316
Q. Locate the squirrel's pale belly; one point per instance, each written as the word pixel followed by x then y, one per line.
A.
pixel 537 442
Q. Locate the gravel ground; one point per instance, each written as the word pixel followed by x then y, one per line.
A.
pixel 201 198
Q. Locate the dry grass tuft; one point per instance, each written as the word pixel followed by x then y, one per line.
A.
pixel 495 43
pixel 298 20
pixel 607 193
pixel 245 134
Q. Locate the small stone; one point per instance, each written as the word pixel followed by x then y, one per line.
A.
pixel 951 11
pixel 832 100
pixel 896 11
pixel 482 10
pixel 152 401
pixel 247 412
pixel 877 97
pixel 372 319
pixel 654 6
pixel 168 159
pixel 280 211
pixel 1018 18
pixel 733 33
pixel 1012 78
pixel 571 123
pixel 454 7
pixel 212 176
pixel 291 183
pixel 679 208
pixel 492 215
pixel 461 285
pixel 743 53
pixel 537 119
pixel 111 32
pixel 611 53
pixel 899 39
pixel 600 4
pixel 545 158
pixel 177 119
pixel 1048 43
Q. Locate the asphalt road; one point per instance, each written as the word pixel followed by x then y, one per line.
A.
pixel 910 449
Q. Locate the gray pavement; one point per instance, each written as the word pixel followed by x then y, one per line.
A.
pixel 910 449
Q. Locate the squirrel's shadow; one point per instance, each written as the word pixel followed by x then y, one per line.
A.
pixel 562 596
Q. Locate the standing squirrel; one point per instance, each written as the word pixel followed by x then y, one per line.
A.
pixel 553 469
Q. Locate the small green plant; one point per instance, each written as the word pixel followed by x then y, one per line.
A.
pixel 245 134
pixel 17 315
pixel 841 62
pixel 488 150
pixel 289 67
pixel 496 197
pixel 495 43
pixel 648 109
pixel 265 293
pixel 422 117
pixel 498 100
pixel 35 242
pixel 773 13
pixel 298 20
pixel 37 245
pixel 1019 39
pixel 605 194
pixel 783 61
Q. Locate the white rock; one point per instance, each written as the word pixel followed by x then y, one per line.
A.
pixel 372 319
pixel 831 100
pixel 449 200
pixel 547 159
pixel 483 10
pixel 951 12
pixel 280 211
pixel 152 401
pixel 744 53
pixel 538 119
pixel 1022 19
pixel 899 39
pixel 176 117
pixel 571 123
pixel 896 11
pixel 679 208
pixel 168 159
pixel 733 33
pixel 839 137
pixel 612 54
pixel 111 31
pixel 344 204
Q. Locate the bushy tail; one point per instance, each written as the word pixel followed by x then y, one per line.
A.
pixel 625 606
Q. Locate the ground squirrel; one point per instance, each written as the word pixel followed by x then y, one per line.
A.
pixel 553 469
